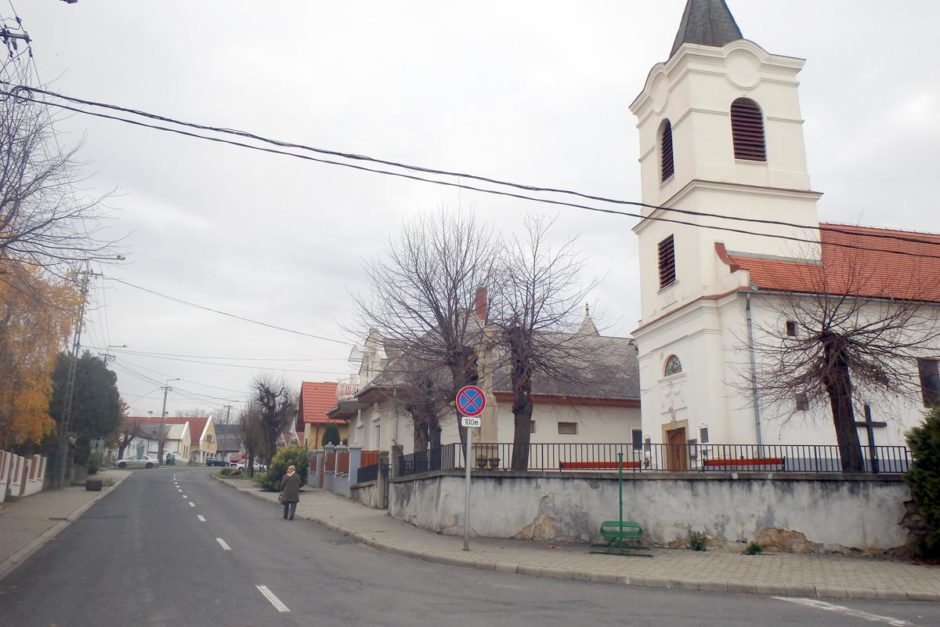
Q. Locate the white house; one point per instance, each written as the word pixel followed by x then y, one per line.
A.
pixel 721 134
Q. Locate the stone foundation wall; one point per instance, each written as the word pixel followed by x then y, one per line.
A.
pixel 805 513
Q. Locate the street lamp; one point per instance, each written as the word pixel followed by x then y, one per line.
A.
pixel 107 352
pixel 166 388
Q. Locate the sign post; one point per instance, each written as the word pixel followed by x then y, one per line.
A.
pixel 470 403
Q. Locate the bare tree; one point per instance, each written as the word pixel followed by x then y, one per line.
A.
pixel 537 298
pixel 275 401
pixel 250 427
pixel 424 289
pixel 127 431
pixel 853 330
pixel 43 222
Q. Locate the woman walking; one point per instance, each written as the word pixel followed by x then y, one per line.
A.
pixel 290 492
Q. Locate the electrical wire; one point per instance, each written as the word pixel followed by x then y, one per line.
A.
pixel 18 90
pixel 225 313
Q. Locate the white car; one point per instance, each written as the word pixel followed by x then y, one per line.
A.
pixel 143 461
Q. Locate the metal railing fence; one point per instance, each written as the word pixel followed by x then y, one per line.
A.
pixel 602 457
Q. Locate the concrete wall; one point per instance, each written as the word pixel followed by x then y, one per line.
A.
pixel 806 514
pixel 21 476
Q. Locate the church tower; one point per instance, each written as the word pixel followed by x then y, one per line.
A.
pixel 721 139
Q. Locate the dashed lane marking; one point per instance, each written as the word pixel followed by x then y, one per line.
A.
pixel 191 504
pixel 847 611
pixel 201 517
pixel 276 602
pixel 222 544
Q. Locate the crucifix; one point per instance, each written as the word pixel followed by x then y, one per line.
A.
pixel 870 427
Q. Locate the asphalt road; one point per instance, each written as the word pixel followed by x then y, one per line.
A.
pixel 190 551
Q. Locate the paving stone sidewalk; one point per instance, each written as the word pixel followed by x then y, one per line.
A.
pixel 829 576
pixel 30 522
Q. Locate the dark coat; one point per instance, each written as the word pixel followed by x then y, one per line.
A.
pixel 290 488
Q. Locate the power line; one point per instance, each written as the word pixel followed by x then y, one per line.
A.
pixel 226 358
pixel 225 313
pixel 18 90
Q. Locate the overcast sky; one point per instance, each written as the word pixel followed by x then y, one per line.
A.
pixel 529 91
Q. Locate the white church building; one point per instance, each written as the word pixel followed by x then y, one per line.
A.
pixel 721 139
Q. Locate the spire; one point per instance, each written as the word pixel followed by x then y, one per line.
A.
pixel 587 325
pixel 707 23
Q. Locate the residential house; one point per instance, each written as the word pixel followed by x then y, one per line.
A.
pixel 228 441
pixel 177 441
pixel 721 133
pixel 316 399
pixel 194 444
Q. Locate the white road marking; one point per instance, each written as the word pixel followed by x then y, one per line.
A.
pixel 184 496
pixel 276 602
pixel 191 504
pixel 201 517
pixel 841 609
pixel 222 543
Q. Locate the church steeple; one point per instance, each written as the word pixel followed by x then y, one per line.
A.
pixel 707 23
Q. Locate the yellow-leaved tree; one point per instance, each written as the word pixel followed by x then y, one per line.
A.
pixel 36 314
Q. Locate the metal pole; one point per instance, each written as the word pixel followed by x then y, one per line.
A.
pixel 162 437
pixel 620 482
pixel 466 508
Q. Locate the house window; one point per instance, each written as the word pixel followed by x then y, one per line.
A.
pixel 673 366
pixel 667 262
pixel 791 328
pixel 376 432
pixel 568 428
pixel 802 402
pixel 703 435
pixel 637 438
pixel 747 130
pixel 531 426
pixel 666 165
pixel 929 381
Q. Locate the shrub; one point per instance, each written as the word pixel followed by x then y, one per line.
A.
pixel 94 463
pixel 924 480
pixel 231 472
pixel 698 541
pixel 330 435
pixel 299 457
pixel 753 548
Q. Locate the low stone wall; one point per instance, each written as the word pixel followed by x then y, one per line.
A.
pixel 799 513
pixel 367 493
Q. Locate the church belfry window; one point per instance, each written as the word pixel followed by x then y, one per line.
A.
pixel 667 166
pixel 667 262
pixel 673 366
pixel 747 130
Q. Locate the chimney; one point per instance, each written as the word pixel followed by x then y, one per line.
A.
pixel 480 304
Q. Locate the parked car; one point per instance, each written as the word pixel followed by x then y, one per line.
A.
pixel 241 466
pixel 216 462
pixel 144 461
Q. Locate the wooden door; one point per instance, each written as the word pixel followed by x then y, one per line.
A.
pixel 677 452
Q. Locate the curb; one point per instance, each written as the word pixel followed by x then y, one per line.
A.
pixel 8 565
pixel 819 592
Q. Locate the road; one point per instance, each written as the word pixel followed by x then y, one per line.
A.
pixel 174 547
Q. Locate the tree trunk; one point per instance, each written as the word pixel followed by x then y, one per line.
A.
pixel 839 388
pixel 463 370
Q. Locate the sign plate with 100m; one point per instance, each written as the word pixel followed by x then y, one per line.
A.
pixel 470 421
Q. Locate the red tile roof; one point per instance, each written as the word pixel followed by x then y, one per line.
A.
pixel 865 271
pixel 315 400
pixel 196 425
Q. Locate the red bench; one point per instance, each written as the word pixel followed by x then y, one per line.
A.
pixel 597 465
pixel 754 463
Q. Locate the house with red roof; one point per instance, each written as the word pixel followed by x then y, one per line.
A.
pixel 316 400
pixel 730 235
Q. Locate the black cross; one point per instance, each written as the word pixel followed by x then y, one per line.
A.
pixel 870 427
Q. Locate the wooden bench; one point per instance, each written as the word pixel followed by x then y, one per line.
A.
pixel 597 465
pixel 616 532
pixel 754 463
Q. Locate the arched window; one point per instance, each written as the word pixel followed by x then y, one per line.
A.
pixel 747 130
pixel 673 366
pixel 667 166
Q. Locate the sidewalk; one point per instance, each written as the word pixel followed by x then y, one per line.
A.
pixel 27 524
pixel 829 576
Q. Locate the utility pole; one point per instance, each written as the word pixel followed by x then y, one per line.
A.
pixel 166 388
pixel 70 382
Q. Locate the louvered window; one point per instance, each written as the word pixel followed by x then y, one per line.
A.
pixel 747 129
pixel 667 262
pixel 666 165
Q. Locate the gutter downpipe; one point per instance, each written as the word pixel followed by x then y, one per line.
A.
pixel 754 398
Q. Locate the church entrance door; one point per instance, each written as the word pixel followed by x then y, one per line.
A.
pixel 677 452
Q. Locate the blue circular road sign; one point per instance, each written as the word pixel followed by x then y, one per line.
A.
pixel 470 401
